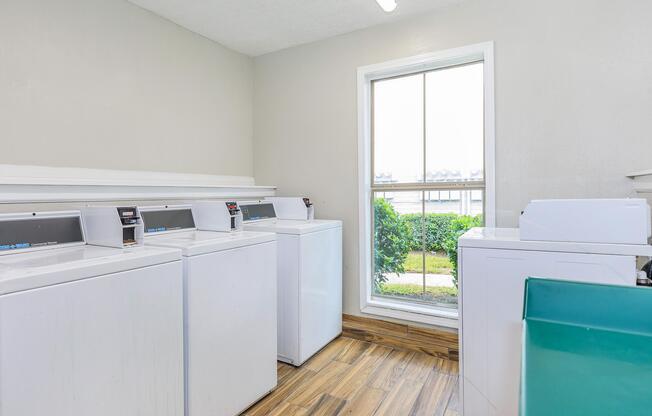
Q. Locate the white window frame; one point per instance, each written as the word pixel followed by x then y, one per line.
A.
pixel 420 63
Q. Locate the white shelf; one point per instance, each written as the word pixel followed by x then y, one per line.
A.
pixel 642 181
pixel 35 184
pixel 643 187
pixel 634 175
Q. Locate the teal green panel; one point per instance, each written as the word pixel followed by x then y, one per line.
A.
pixel 579 359
pixel 623 308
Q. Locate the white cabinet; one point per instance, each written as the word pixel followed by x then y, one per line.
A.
pixel 491 306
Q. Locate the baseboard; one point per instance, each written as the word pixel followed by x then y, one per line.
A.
pixel 438 343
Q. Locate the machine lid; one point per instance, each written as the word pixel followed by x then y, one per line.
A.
pixel 31 270
pixel 509 239
pixel 292 226
pixel 193 243
pixel 166 219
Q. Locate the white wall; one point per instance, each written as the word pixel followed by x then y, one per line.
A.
pixel 573 104
pixel 105 84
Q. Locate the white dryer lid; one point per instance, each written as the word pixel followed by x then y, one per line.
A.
pixel 193 243
pixel 292 226
pixel 24 271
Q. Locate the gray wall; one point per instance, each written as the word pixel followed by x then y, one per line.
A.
pixel 573 104
pixel 105 84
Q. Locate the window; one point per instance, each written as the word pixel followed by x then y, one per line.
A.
pixel 426 164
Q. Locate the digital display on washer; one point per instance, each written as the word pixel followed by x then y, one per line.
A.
pixel 35 232
pixel 167 220
pixel 257 211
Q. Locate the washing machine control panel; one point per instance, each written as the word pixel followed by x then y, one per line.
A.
pixel 235 214
pixel 128 215
pixel 129 219
pixel 113 226
pixel 232 207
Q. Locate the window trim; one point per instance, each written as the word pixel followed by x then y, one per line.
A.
pixel 367 74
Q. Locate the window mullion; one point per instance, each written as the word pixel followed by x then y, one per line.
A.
pixel 423 240
pixel 423 193
pixel 423 104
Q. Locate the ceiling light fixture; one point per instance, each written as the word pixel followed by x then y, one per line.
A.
pixel 387 5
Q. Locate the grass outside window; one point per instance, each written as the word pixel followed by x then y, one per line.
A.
pixel 436 263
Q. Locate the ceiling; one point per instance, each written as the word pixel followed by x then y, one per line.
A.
pixel 256 27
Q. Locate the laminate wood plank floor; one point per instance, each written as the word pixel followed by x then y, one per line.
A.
pixel 353 377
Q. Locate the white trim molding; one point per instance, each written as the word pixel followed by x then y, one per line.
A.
pixel 36 184
pixel 420 63
pixel 641 181
pixel 411 313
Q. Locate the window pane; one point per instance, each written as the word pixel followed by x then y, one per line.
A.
pixel 454 202
pixel 447 215
pixel 398 244
pixel 398 129
pixel 455 124
pixel 405 240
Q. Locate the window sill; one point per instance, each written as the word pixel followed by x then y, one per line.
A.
pixel 442 317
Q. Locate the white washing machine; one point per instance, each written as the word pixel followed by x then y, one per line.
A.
pixel 309 279
pixel 230 310
pixel 86 330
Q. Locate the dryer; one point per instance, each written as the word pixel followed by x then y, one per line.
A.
pixel 309 276
pixel 229 306
pixel 86 330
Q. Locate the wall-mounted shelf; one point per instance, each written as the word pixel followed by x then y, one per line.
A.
pixel 35 184
pixel 642 181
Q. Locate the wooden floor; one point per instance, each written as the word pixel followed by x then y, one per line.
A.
pixel 352 377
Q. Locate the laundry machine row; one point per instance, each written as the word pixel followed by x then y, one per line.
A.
pixel 162 310
pixel 121 310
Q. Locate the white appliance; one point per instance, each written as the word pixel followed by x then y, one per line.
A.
pixel 610 221
pixel 230 310
pixel 86 330
pixel 309 279
pixel 494 264
pixel 109 226
pixel 292 208
pixel 217 215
